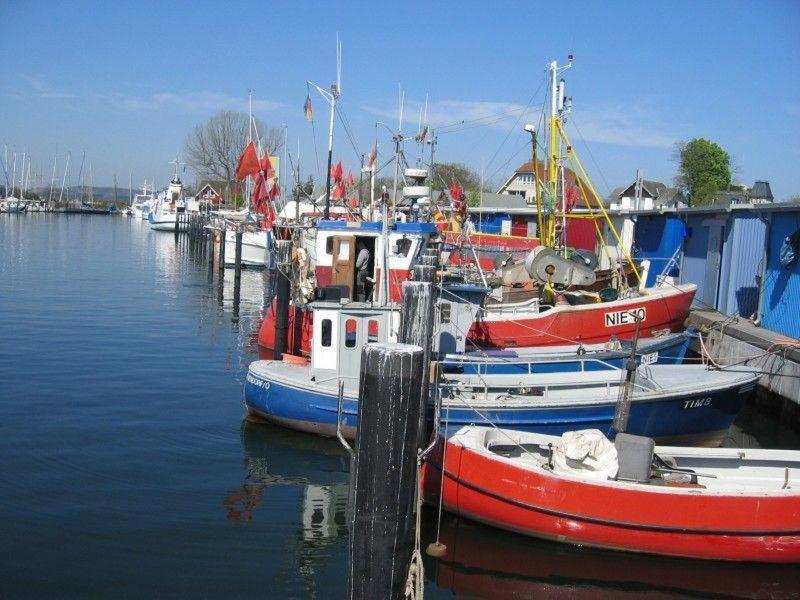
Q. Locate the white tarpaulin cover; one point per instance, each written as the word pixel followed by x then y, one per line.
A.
pixel 586 453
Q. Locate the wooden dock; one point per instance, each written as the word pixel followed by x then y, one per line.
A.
pixel 734 340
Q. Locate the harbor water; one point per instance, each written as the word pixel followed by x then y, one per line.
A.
pixel 127 468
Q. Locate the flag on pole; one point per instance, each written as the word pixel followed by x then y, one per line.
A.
pixel 373 157
pixel 307 108
pixel 348 181
pixel 336 172
pixel 248 162
pixel 421 137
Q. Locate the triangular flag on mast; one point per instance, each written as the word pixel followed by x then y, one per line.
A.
pixel 248 162
pixel 307 108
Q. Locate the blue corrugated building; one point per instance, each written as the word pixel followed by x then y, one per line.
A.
pixel 732 254
pixel 780 292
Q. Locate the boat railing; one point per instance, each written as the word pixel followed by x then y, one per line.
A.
pixel 544 391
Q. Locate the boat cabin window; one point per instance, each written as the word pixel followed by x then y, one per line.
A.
pixel 372 330
pixel 403 246
pixel 444 312
pixel 350 333
pixel 329 245
pixel 344 249
pixel 326 333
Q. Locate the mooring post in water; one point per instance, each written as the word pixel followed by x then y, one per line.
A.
pixel 424 273
pixel 283 289
pixel 416 327
pixel 222 236
pixel 210 253
pixel 384 473
pixel 177 222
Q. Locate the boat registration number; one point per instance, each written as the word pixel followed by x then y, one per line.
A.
pixel 650 359
pixel 696 403
pixel 257 382
pixel 625 317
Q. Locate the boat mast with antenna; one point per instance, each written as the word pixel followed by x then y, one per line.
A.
pixel 331 97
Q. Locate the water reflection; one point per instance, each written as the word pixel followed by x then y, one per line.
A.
pixel 279 457
pixel 483 562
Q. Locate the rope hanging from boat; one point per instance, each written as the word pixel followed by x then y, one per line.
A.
pixel 415 581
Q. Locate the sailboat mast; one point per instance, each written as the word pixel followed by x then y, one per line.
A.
pixel 64 180
pixel 14 175
pixel 53 179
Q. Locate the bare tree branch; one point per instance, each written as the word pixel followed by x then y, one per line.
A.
pixel 213 149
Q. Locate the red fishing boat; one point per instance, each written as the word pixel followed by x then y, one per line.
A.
pixel 719 504
pixel 529 323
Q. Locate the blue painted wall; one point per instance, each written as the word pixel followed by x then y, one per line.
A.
pixel 742 262
pixel 695 253
pixel 781 291
pixel 656 238
pixel 489 222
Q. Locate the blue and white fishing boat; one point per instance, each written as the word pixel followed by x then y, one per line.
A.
pixel 566 392
pixel 668 349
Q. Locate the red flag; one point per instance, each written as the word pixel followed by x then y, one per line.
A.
pixel 456 191
pixel 248 162
pixel 353 202
pixel 275 191
pixel 307 108
pixel 336 172
pixel 421 137
pixel 348 181
pixel 338 191
pixel 373 157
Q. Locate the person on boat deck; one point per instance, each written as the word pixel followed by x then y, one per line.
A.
pixel 363 280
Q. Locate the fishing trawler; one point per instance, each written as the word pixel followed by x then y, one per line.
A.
pixel 557 393
pixel 164 211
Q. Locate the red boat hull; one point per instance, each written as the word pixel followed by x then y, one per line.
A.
pixel 299 338
pixel 539 504
pixel 587 323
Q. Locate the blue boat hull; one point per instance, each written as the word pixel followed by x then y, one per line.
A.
pixel 669 352
pixel 702 417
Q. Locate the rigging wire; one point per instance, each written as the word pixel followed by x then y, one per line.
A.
pixel 589 151
pixel 516 123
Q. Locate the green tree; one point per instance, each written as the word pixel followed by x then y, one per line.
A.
pixel 704 168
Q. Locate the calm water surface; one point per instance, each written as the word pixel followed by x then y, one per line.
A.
pixel 126 469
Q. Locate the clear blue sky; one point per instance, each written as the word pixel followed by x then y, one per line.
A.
pixel 126 81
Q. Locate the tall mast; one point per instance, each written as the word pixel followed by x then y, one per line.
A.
pixel 554 149
pixel 53 179
pixel 64 180
pixel 14 175
pixel 332 97
pixel 249 181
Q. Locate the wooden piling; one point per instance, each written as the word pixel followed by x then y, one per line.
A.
pixel 222 238
pixel 416 328
pixel 283 289
pixel 210 249
pixel 424 273
pixel 177 222
pixel 237 263
pixel 383 476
